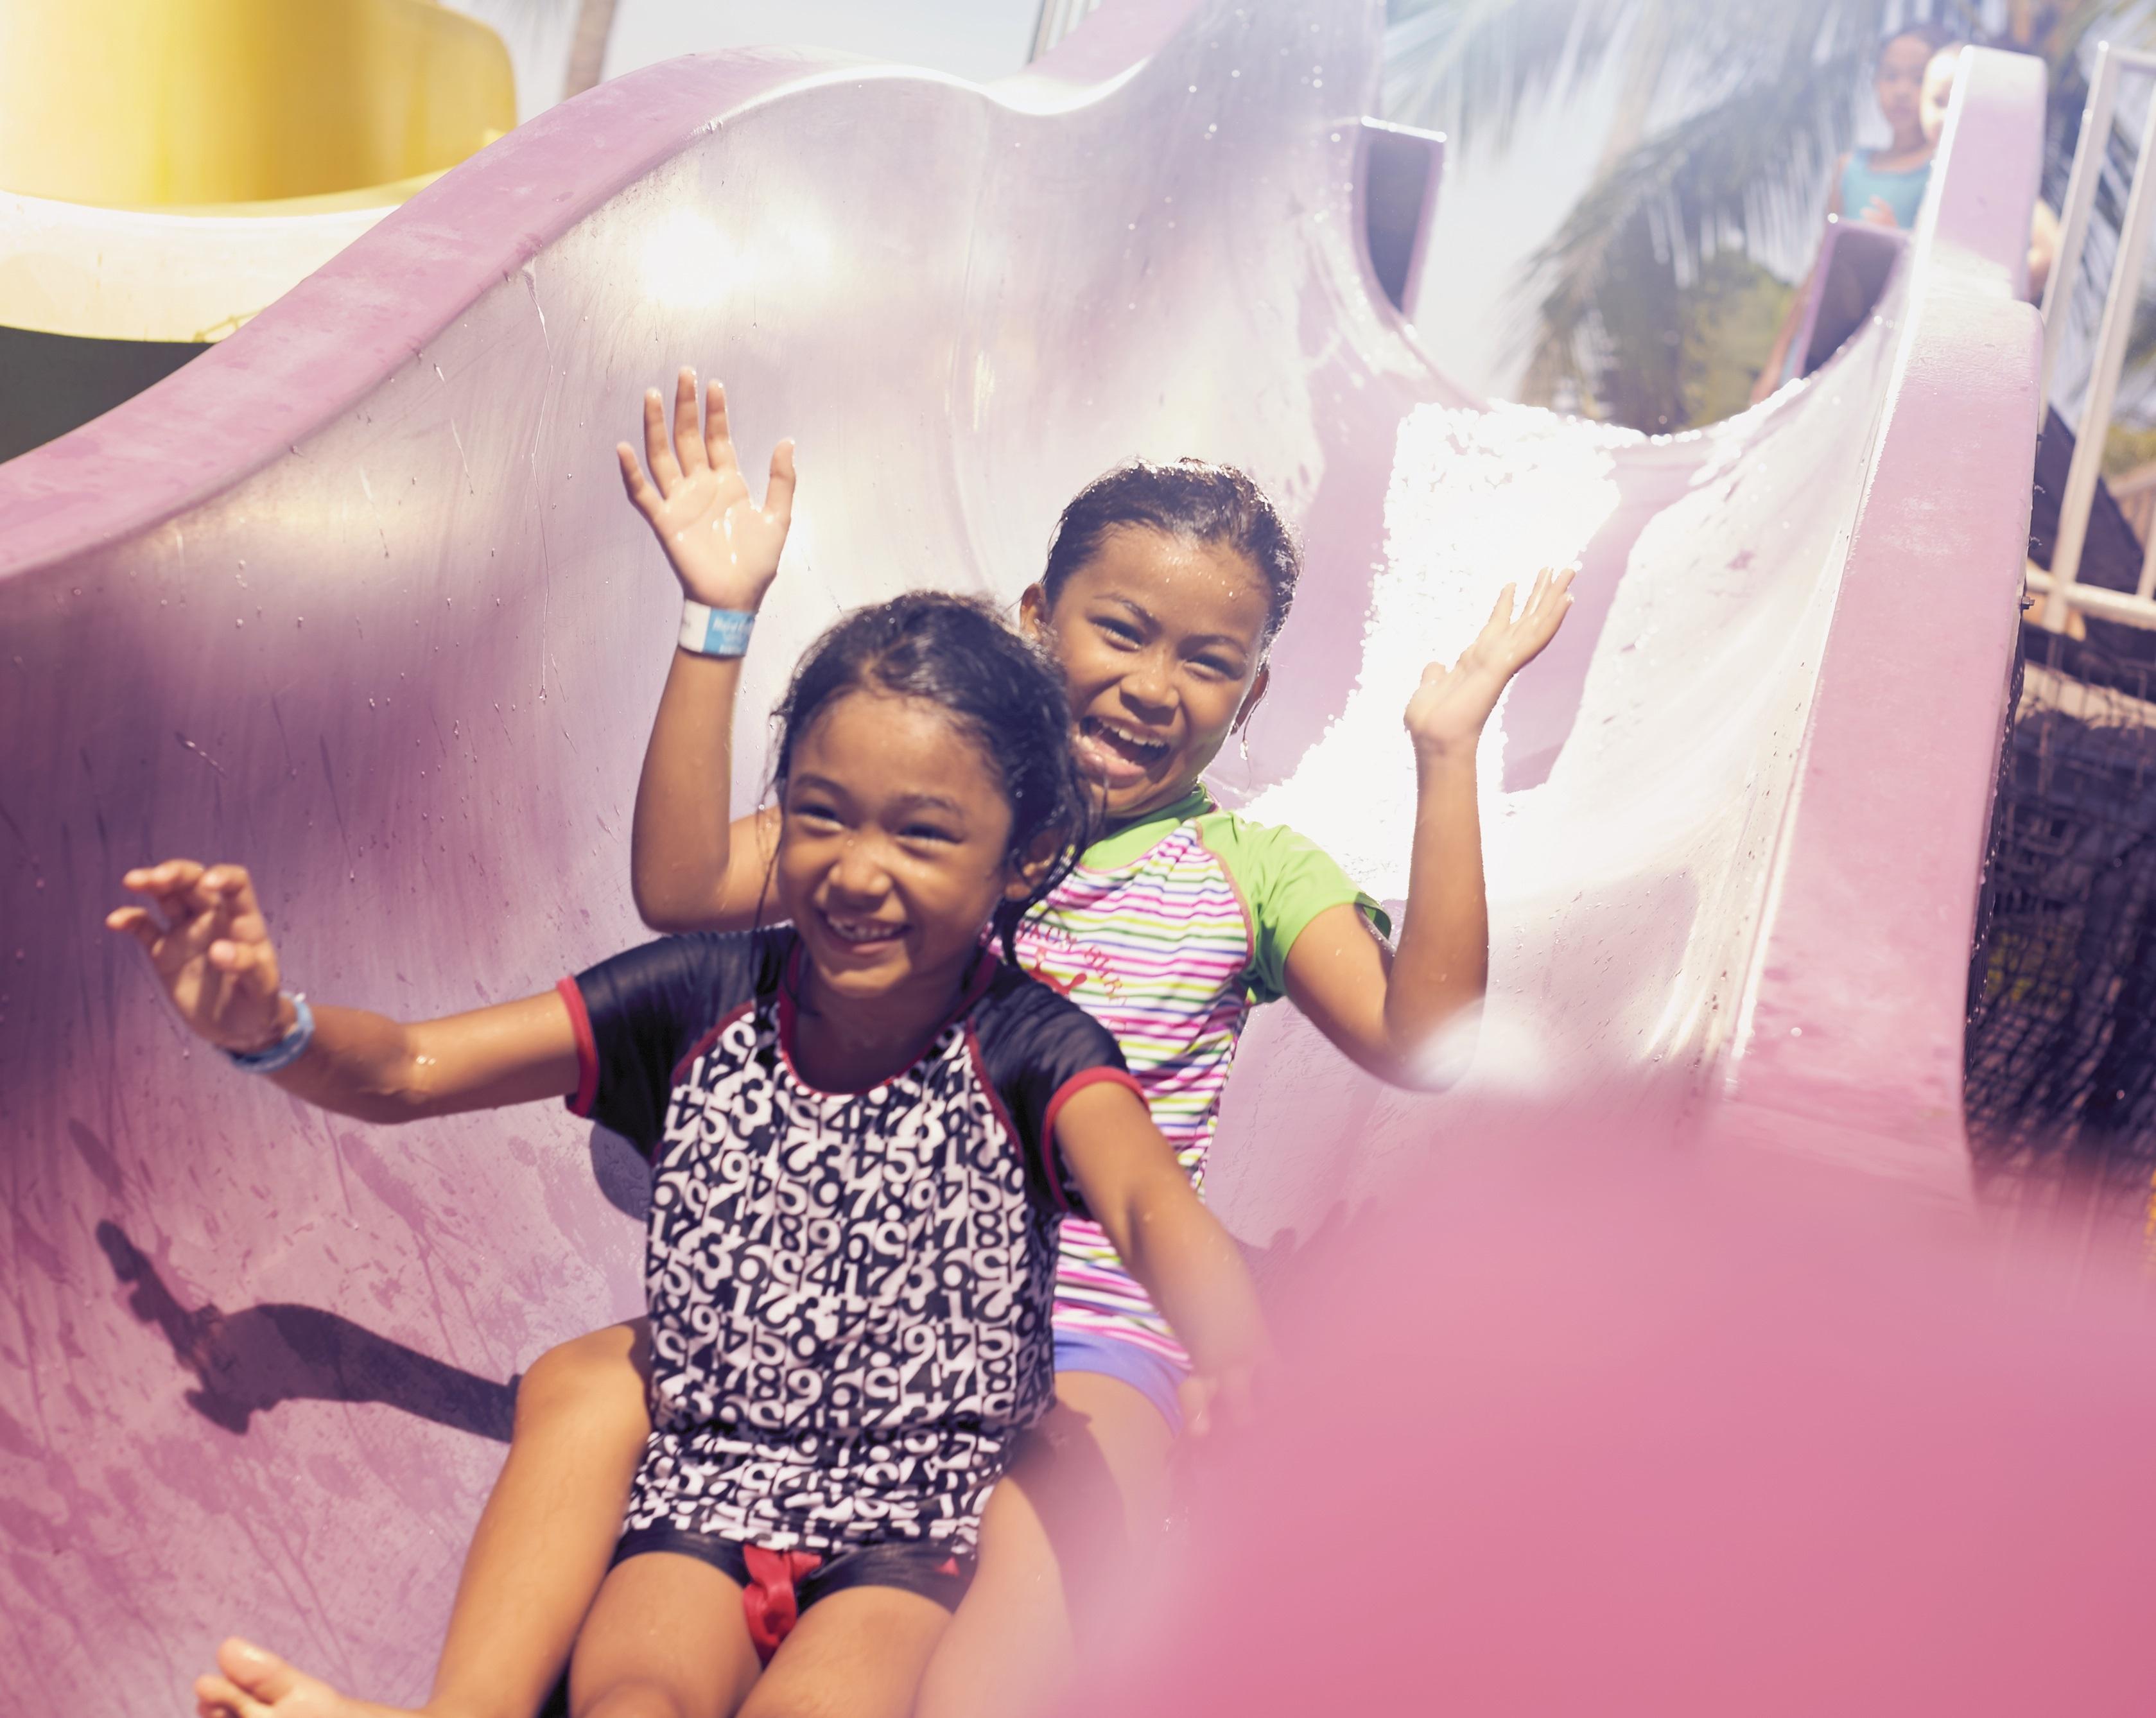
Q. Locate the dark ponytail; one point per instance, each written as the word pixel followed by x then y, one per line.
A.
pixel 957 653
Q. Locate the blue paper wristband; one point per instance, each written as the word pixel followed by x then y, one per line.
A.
pixel 287 1050
pixel 714 632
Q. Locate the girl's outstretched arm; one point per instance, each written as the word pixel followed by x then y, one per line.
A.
pixel 1190 1265
pixel 210 948
pixel 689 869
pixel 1386 1014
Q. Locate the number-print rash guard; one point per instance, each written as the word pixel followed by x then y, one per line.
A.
pixel 1169 932
pixel 849 1292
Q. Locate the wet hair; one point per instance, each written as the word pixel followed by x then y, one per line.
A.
pixel 1934 37
pixel 1199 502
pixel 999 692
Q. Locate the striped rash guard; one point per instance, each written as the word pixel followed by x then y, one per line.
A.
pixel 1167 932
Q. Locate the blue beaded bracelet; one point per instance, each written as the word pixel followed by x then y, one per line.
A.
pixel 287 1050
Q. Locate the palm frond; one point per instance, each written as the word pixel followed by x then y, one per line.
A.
pixel 1744 173
pixel 1472 68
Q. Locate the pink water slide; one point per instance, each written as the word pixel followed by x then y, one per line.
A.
pixel 355 599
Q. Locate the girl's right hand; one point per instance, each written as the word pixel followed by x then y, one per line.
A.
pixel 1224 1399
pixel 724 548
pixel 210 949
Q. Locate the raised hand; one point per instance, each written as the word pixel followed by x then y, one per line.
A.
pixel 1447 713
pixel 724 548
pixel 210 949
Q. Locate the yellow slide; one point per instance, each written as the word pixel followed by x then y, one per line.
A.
pixel 167 167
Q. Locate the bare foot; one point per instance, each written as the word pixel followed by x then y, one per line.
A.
pixel 256 1684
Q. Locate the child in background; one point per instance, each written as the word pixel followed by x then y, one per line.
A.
pixel 2043 223
pixel 865 1129
pixel 1885 187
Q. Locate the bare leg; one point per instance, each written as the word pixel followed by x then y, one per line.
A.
pixel 1087 1496
pixel 859 1653
pixel 537 1559
pixel 665 1638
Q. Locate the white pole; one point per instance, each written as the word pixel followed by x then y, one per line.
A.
pixel 2089 159
pixel 2095 425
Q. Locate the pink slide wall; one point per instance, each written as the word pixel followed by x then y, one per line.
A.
pixel 354 599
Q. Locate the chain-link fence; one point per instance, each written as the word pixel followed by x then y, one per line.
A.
pixel 2061 1077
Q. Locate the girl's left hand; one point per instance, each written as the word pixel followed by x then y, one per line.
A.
pixel 1447 713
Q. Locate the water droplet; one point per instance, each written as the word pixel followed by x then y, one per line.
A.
pixel 1796 1032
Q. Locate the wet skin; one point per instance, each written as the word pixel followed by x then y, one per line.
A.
pixel 892 854
pixel 1161 641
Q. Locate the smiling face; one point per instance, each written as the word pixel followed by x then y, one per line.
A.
pixel 893 849
pixel 1161 641
pixel 1899 83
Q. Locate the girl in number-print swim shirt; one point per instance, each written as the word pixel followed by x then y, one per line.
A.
pixel 847 1290
pixel 1164 589
pixel 865 1129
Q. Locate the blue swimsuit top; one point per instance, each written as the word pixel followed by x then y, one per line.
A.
pixel 1903 192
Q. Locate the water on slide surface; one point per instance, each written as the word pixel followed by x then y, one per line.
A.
pixel 355 599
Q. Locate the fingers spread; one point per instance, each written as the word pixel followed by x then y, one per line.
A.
pixel 718 433
pixel 778 498
pixel 658 451
pixel 641 495
pixel 688 440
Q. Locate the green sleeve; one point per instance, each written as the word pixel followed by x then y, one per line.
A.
pixel 1286 880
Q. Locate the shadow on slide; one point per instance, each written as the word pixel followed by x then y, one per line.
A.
pixel 250 1361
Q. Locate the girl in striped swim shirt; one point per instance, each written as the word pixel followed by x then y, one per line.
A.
pixel 1165 587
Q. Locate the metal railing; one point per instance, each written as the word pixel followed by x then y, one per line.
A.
pixel 2061 589
pixel 1058 18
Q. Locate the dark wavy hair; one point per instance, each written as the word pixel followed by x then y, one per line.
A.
pixel 1935 37
pixel 957 654
pixel 1199 502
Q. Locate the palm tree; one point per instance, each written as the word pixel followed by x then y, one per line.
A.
pixel 1731 115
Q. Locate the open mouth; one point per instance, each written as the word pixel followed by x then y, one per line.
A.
pixel 861 933
pixel 1118 752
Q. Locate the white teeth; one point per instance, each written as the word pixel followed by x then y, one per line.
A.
pixel 1136 742
pixel 861 929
